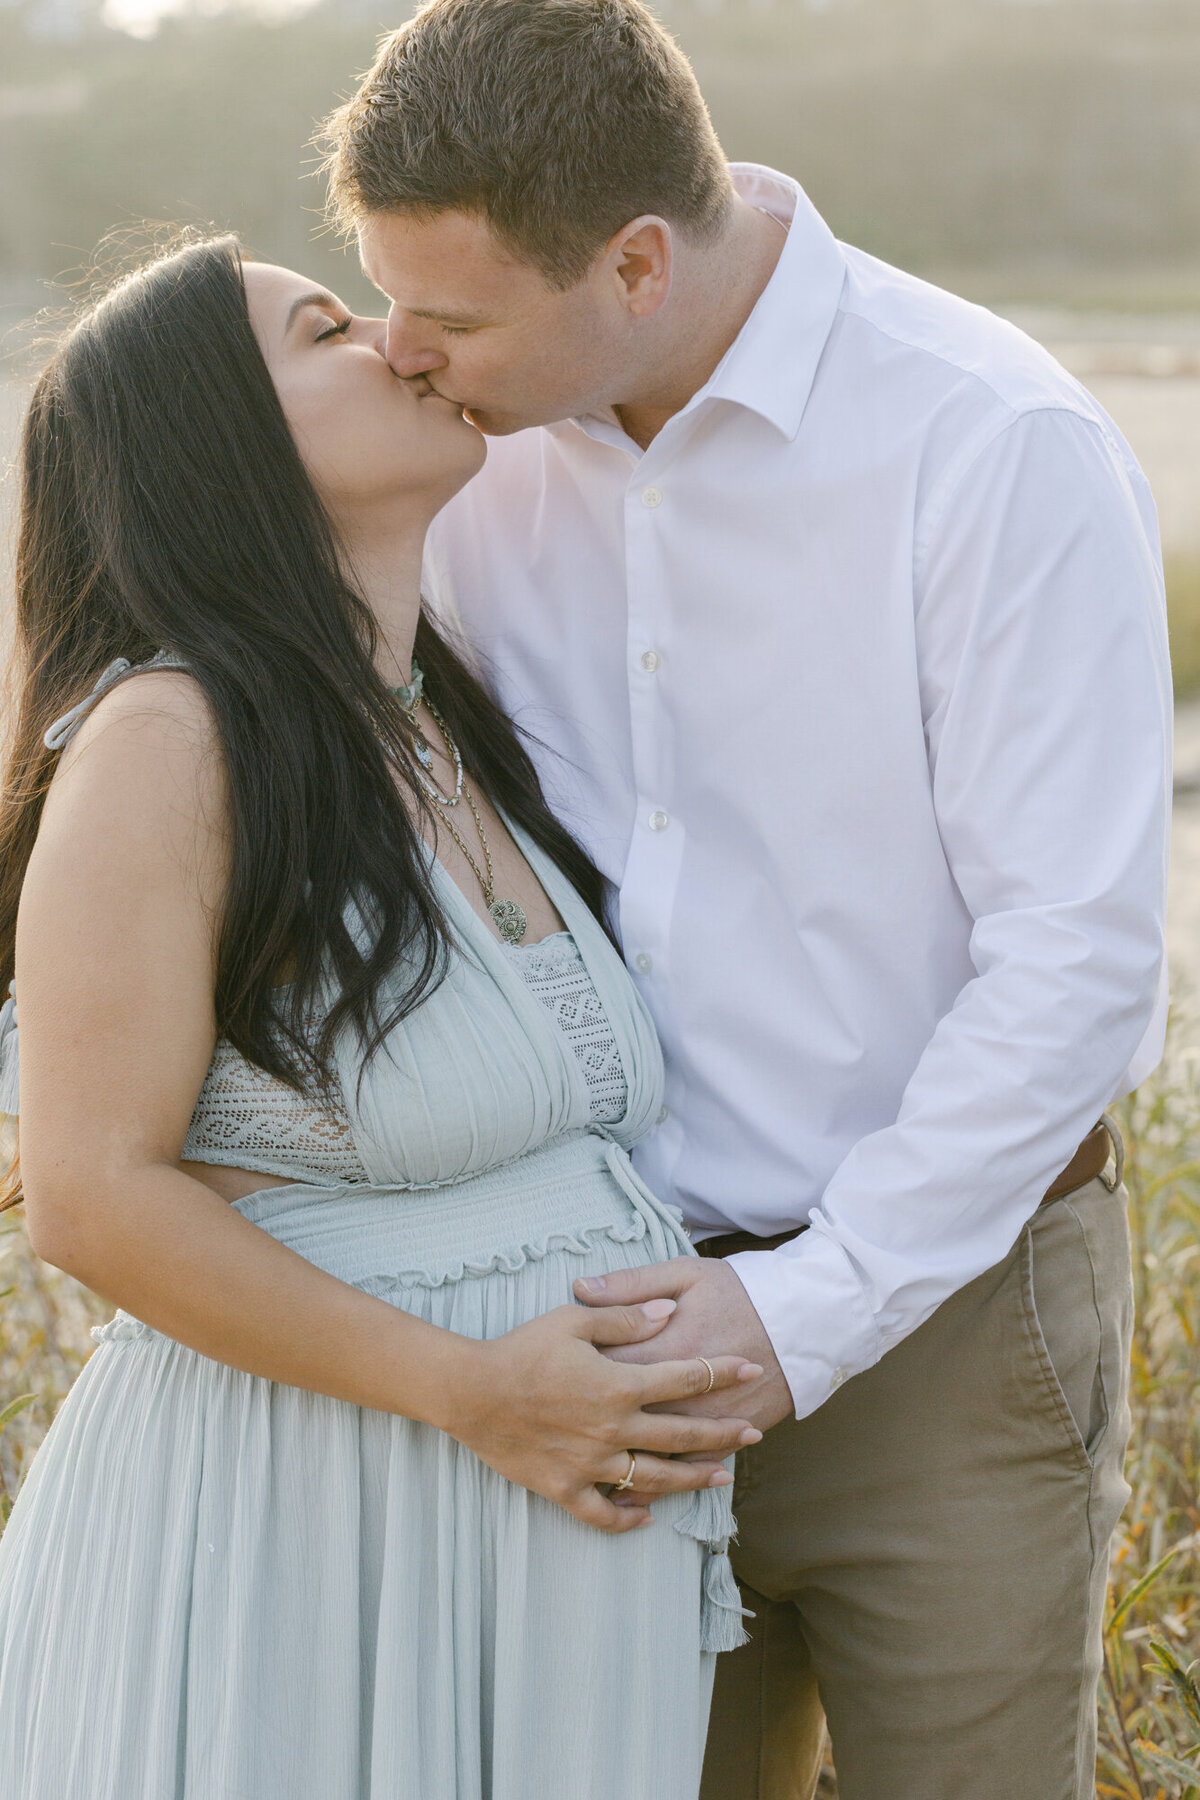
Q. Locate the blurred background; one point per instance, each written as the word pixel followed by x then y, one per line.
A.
pixel 1041 157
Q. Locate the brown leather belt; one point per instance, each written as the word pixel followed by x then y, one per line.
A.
pixel 1089 1161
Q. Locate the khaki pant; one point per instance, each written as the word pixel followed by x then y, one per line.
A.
pixel 927 1554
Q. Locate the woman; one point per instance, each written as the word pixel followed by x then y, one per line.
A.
pixel 294 952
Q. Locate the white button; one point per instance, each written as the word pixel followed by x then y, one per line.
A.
pixel 643 963
pixel 839 1375
pixel 658 821
pixel 651 497
pixel 650 661
pixel 663 1115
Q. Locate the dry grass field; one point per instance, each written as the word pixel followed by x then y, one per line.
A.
pixel 1150 1701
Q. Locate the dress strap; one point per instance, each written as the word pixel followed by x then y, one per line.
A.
pixel 64 729
pixel 10 1079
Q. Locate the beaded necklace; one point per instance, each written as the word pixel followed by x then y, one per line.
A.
pixel 508 916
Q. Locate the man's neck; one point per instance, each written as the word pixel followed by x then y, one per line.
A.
pixel 715 294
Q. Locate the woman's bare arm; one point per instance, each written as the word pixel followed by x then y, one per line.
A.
pixel 115 966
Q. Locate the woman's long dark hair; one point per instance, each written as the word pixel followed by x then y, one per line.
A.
pixel 164 504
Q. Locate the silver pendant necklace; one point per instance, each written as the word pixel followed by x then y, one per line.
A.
pixel 410 697
pixel 508 916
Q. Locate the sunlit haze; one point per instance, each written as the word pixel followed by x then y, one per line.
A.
pixel 142 17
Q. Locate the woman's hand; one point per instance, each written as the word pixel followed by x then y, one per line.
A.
pixel 543 1407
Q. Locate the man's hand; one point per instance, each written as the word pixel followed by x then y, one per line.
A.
pixel 713 1317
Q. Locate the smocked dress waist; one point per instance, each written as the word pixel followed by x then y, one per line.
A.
pixel 385 1237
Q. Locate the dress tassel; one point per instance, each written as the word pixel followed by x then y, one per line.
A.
pixel 721 1609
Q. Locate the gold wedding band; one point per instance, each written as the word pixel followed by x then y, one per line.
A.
pixel 712 1380
pixel 626 1481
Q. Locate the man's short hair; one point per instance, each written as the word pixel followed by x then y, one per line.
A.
pixel 556 120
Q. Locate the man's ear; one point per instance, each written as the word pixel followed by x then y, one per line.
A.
pixel 640 257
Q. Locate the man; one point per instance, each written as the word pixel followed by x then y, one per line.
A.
pixel 836 606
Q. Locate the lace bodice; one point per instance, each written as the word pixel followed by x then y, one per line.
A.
pixel 245 1119
pixel 555 972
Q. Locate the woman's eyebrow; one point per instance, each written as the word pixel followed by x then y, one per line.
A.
pixel 318 297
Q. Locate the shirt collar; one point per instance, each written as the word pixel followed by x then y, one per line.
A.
pixel 772 363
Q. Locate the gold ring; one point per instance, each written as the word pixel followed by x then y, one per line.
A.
pixel 712 1380
pixel 626 1481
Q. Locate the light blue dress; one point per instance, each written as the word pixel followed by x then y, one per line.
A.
pixel 215 1587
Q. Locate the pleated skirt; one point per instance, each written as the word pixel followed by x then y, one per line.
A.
pixel 215 1587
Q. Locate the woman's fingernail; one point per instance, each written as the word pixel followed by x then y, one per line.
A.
pixel 659 1309
pixel 642 1523
pixel 749 1372
pixel 722 1478
pixel 750 1436
pixel 593 1283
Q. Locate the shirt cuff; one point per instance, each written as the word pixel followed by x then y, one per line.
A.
pixel 815 1309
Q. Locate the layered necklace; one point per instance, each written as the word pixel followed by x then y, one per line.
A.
pixel 508 916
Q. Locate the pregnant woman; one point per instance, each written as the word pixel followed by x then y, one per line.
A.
pixel 328 1072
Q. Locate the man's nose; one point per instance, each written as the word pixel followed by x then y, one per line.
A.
pixel 411 349
pixel 372 332
pixel 375 332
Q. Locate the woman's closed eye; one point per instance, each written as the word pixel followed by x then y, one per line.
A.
pixel 335 330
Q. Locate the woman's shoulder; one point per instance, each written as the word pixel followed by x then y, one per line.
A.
pixel 164 707
pixel 155 722
pixel 144 766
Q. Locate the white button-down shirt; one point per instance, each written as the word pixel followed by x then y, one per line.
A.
pixel 855 683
